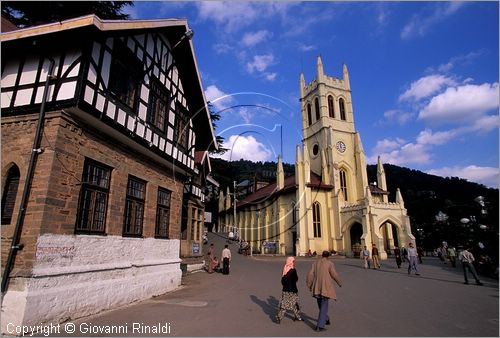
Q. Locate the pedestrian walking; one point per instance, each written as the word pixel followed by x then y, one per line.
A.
pixel 365 256
pixel 289 294
pixel 397 255
pixel 420 253
pixel 226 259
pixel 404 254
pixel 320 282
pixel 375 257
pixel 210 258
pixel 452 256
pixel 467 259
pixel 412 257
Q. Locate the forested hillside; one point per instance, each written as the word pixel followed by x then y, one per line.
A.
pixel 424 195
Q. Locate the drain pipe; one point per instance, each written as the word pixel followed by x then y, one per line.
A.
pixel 35 151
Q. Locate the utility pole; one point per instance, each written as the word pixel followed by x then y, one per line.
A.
pixel 234 209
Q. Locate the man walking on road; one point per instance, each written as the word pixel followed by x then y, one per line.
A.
pixel 226 259
pixel 412 257
pixel 467 258
pixel 320 283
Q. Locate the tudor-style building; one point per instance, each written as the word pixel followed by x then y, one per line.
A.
pixel 328 204
pixel 101 121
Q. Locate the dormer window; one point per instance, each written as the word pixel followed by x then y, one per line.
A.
pixel 125 75
pixel 158 105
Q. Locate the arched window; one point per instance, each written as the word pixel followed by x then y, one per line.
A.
pixel 294 213
pixel 343 183
pixel 9 194
pixel 317 219
pixel 316 108
pixel 309 118
pixel 342 109
pixel 331 111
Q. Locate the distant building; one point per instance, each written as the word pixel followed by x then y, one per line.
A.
pixel 101 121
pixel 329 203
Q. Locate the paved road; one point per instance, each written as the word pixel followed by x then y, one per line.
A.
pixel 384 302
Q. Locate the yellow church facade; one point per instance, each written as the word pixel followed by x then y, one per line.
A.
pixel 328 204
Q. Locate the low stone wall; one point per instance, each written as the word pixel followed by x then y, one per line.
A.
pixel 78 275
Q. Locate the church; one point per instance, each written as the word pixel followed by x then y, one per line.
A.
pixel 329 203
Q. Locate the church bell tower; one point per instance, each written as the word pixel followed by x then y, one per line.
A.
pixel 331 144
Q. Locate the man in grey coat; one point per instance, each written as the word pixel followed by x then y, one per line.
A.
pixel 320 282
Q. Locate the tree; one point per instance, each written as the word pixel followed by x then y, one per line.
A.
pixel 31 13
pixel 219 139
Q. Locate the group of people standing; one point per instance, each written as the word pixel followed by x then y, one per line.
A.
pixel 319 281
pixel 213 264
pixel 403 254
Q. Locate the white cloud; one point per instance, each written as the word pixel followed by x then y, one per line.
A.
pixel 231 15
pixel 271 76
pixel 234 15
pixel 245 114
pixel 260 63
pixel 245 147
pixel 441 137
pixel 306 48
pixel 483 124
pixel 461 104
pixel 222 48
pixel 397 116
pixel 218 98
pixel 387 145
pixel 252 38
pixel 484 175
pixel 400 154
pixel 426 86
pixel 420 24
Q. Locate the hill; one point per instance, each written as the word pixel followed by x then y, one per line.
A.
pixel 425 196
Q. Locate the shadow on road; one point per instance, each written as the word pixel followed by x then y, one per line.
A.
pixel 270 308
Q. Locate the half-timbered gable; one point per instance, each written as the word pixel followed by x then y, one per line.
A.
pixel 128 79
pixel 100 123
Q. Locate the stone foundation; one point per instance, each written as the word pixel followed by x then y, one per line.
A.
pixel 78 275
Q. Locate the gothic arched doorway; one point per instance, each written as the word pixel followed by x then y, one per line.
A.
pixel 390 237
pixel 355 234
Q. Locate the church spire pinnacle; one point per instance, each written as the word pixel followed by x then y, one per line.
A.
pixel 280 177
pixel 345 74
pixel 302 85
pixel 319 68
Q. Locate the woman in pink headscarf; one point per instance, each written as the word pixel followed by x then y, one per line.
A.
pixel 290 293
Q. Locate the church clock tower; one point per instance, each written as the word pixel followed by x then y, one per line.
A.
pixel 331 144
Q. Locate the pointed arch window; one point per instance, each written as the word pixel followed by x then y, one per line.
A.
pixel 317 219
pixel 316 109
pixel 309 117
pixel 9 194
pixel 343 183
pixel 342 109
pixel 331 111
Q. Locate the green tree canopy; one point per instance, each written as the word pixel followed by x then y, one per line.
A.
pixel 31 13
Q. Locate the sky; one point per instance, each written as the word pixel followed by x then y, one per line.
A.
pixel 423 75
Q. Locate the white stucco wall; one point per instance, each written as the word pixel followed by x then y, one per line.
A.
pixel 79 275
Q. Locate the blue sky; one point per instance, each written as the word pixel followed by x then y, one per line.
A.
pixel 424 76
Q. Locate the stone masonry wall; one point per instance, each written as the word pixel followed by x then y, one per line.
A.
pixel 57 270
